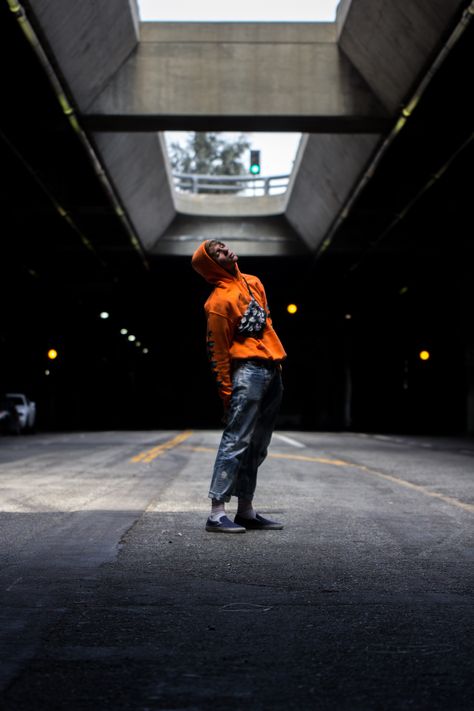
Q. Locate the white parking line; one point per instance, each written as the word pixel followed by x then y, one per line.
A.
pixel 288 440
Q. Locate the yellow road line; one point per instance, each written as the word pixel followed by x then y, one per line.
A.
pixel 304 458
pixel 299 457
pixel 202 449
pixel 367 470
pixel 394 479
pixel 416 487
pixel 150 454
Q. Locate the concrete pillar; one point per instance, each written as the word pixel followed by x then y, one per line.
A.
pixel 467 320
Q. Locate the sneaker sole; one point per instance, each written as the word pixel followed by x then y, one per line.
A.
pixel 210 529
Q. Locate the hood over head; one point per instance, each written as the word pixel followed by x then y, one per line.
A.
pixel 208 268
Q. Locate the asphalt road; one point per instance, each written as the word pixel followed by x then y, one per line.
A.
pixel 113 596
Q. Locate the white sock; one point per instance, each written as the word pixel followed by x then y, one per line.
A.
pixel 217 516
pixel 217 510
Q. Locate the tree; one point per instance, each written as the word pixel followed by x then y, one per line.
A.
pixel 209 154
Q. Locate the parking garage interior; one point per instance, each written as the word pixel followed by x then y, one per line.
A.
pixel 112 592
pixel 394 279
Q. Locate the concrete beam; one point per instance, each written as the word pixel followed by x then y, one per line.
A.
pixel 229 206
pixel 248 236
pixel 283 77
pixel 329 168
pixel 391 44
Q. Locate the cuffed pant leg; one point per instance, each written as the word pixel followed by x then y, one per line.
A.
pixel 250 383
pixel 261 437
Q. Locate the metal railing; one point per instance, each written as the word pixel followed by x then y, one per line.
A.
pixel 238 185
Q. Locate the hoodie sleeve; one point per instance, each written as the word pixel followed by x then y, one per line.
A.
pixel 219 340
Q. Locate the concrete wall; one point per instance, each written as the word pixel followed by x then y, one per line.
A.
pixel 136 166
pixel 469 363
pixel 466 301
pixel 392 43
pixel 329 168
pixel 89 40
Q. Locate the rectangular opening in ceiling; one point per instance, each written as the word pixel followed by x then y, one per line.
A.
pixel 242 11
pixel 231 164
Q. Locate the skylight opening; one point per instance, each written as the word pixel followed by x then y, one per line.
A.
pixel 231 164
pixel 243 11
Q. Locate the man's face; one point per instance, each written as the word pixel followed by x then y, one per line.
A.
pixel 223 256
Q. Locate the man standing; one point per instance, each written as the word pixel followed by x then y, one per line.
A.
pixel 245 354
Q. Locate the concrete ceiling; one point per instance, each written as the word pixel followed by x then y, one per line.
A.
pixel 346 84
pixel 115 203
pixel 398 255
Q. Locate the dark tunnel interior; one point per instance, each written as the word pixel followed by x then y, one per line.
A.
pixel 396 280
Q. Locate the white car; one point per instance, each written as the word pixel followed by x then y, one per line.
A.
pixel 25 408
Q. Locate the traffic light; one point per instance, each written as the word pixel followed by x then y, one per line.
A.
pixel 255 162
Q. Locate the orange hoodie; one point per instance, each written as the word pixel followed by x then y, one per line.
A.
pixel 224 309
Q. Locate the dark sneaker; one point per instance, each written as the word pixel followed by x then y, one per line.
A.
pixel 223 525
pixel 258 524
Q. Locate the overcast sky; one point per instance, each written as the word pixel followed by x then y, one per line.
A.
pixel 239 10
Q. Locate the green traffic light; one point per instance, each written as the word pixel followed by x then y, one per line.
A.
pixel 254 167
